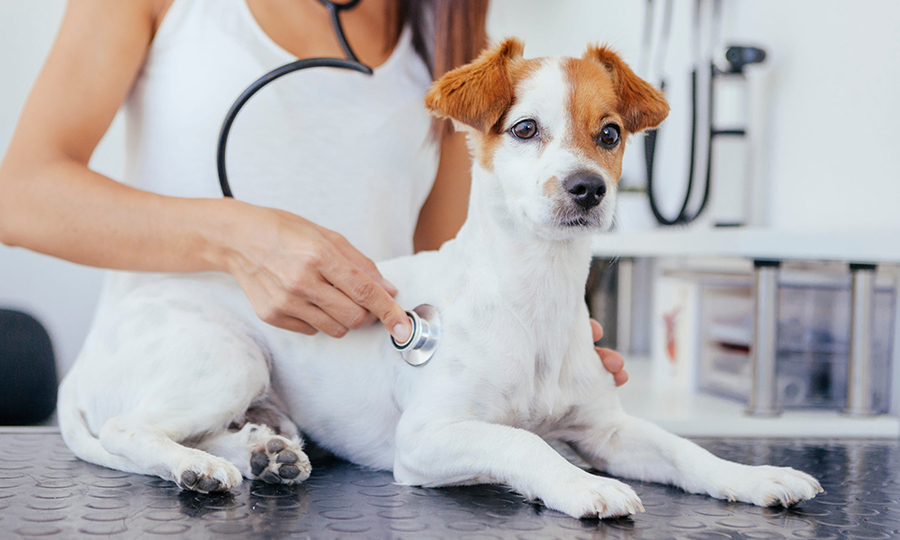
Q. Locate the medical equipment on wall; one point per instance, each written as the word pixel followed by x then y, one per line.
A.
pixel 426 324
pixel 725 82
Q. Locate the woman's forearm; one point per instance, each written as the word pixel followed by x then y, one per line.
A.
pixel 297 275
pixel 63 209
pixel 447 205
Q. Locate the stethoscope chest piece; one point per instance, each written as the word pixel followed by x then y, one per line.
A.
pixel 426 332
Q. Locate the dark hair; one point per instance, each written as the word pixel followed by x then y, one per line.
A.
pixel 445 34
pixel 458 28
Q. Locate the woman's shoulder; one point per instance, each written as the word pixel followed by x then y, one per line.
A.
pixel 133 15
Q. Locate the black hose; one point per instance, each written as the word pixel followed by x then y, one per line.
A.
pixel 334 10
pixel 709 145
pixel 682 217
pixel 257 86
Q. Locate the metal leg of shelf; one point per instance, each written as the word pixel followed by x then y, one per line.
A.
pixel 625 298
pixel 859 373
pixel 763 348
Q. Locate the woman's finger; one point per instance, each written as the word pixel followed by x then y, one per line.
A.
pixel 614 363
pixel 293 324
pixel 318 319
pixel 284 308
pixel 596 331
pixel 336 304
pixel 366 292
pixel 357 258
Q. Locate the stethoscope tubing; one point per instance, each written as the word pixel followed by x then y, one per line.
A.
pixel 257 85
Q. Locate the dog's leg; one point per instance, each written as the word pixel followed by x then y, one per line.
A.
pixel 153 449
pixel 438 454
pixel 634 448
pixel 258 452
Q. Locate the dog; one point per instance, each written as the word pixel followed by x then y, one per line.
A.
pixel 184 382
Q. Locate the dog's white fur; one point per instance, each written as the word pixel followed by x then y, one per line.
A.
pixel 179 362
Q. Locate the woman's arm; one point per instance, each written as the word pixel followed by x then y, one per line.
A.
pixel 446 207
pixel 297 275
pixel 51 202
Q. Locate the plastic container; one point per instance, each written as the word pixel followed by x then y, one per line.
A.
pixel 813 344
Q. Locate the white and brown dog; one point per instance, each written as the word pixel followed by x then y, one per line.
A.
pixel 183 380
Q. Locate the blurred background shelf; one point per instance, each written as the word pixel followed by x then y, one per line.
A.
pixel 752 243
pixel 694 414
pixel 696 289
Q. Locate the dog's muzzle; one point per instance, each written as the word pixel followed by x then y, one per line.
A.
pixel 426 332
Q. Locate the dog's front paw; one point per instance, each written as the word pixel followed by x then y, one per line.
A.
pixel 588 496
pixel 206 473
pixel 768 486
pixel 280 461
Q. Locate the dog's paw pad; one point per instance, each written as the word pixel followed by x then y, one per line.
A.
pixel 188 478
pixel 274 446
pixel 192 481
pixel 270 477
pixel 208 475
pixel 280 461
pixel 258 462
pixel 288 472
pixel 208 484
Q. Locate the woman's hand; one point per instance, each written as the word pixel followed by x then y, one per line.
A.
pixel 612 361
pixel 305 278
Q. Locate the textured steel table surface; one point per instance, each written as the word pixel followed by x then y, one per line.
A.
pixel 45 492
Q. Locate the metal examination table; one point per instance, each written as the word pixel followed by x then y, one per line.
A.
pixel 45 492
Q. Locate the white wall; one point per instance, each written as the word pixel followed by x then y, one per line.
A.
pixel 832 155
pixel 825 102
pixel 826 123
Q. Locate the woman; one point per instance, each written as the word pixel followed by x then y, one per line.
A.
pixel 326 167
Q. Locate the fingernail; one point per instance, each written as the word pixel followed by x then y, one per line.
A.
pixel 401 333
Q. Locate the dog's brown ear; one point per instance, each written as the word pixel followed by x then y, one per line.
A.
pixel 477 94
pixel 641 105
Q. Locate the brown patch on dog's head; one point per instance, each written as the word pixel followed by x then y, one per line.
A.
pixel 604 91
pixel 592 104
pixel 640 105
pixel 477 94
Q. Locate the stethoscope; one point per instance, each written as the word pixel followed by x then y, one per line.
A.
pixel 426 324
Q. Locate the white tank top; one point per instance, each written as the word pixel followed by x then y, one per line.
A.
pixel 347 151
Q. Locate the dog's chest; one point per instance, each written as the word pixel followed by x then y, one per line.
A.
pixel 524 387
pixel 513 354
pixel 543 409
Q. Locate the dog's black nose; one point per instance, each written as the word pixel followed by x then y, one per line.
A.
pixel 586 188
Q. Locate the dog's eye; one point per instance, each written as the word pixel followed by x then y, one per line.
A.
pixel 525 129
pixel 609 136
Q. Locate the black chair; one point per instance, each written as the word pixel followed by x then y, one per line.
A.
pixel 27 370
